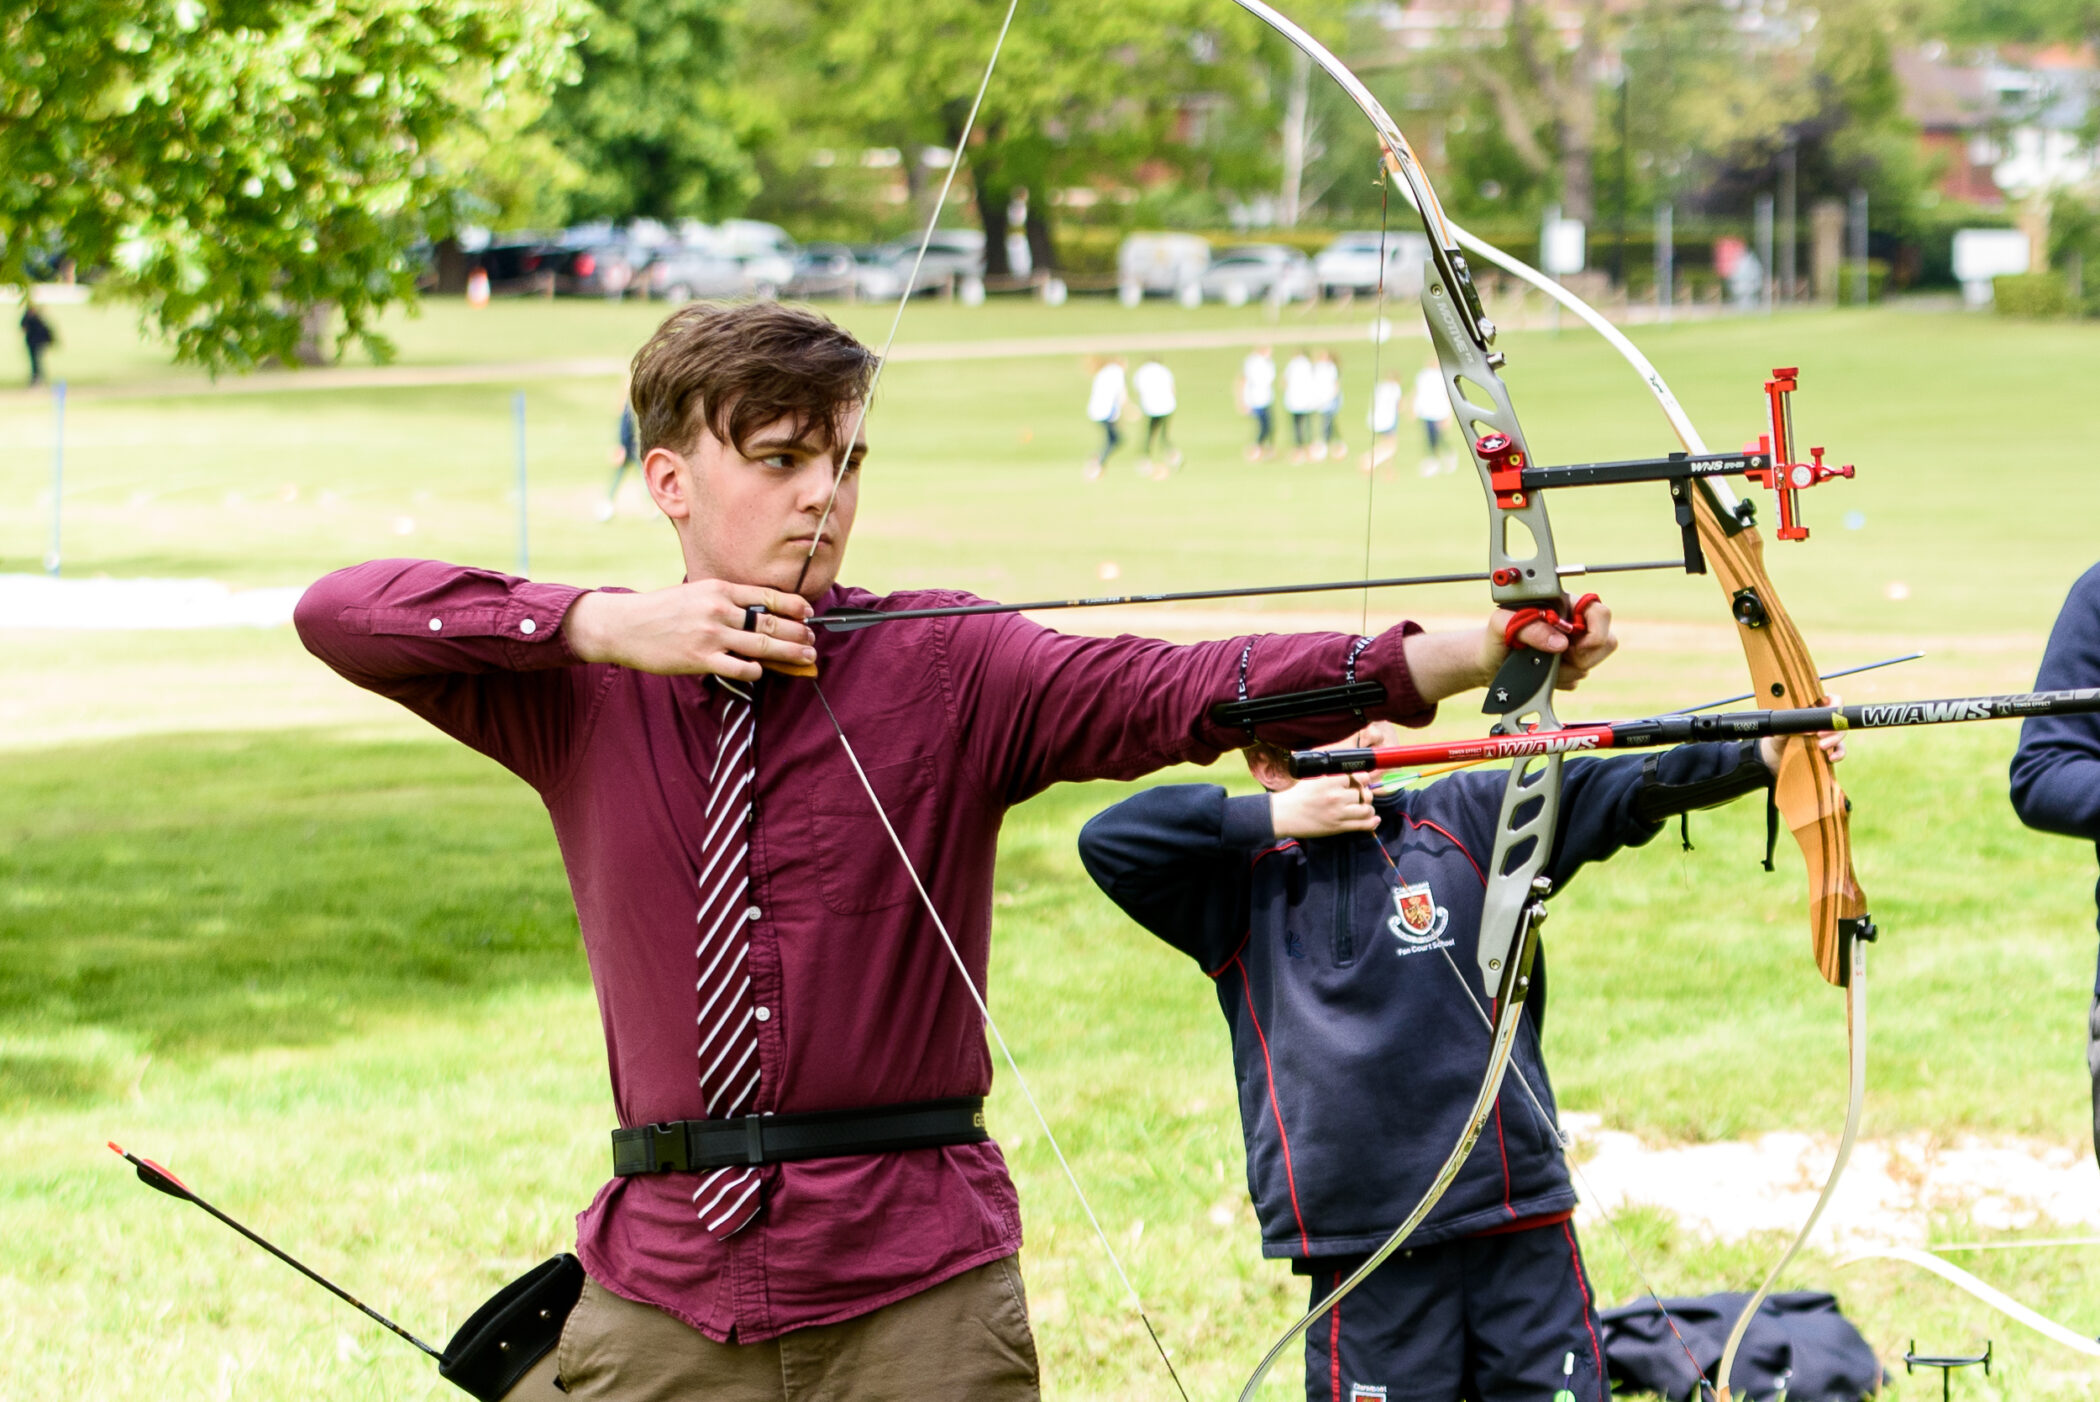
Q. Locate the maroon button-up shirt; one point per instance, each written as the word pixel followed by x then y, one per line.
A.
pixel 956 720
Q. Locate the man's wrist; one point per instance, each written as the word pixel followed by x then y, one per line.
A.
pixel 585 627
pixel 1445 664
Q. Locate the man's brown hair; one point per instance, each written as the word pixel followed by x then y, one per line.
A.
pixel 735 368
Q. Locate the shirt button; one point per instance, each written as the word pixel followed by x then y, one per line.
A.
pixel 526 625
pixel 436 623
pixel 763 1014
pixel 751 912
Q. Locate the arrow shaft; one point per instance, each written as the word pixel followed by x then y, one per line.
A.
pixel 847 622
pixel 1679 729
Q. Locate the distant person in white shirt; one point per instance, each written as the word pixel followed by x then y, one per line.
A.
pixel 1257 396
pixel 1301 400
pixel 1327 380
pixel 1154 384
pixel 1384 421
pixel 1432 409
pixel 1104 405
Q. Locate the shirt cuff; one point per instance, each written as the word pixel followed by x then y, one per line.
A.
pixel 1385 660
pixel 530 622
pixel 1246 823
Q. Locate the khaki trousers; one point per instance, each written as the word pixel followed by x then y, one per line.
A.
pixel 966 1337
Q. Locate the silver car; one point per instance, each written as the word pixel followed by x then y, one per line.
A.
pixel 1350 264
pixel 1258 272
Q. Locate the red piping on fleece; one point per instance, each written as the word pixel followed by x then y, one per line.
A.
pixel 1289 1175
pixel 1588 1307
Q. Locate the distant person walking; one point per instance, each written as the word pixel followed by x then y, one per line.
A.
pixel 1432 409
pixel 1384 421
pixel 1104 405
pixel 1327 380
pixel 38 336
pixel 626 455
pixel 1154 384
pixel 1301 400
pixel 1256 392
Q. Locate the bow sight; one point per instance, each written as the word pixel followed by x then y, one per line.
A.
pixel 1512 478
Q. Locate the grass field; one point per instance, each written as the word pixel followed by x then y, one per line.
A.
pixel 264 927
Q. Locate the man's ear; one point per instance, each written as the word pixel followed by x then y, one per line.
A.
pixel 670 482
pixel 1267 772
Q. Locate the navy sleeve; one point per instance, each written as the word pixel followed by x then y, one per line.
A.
pixel 1177 859
pixel 1607 804
pixel 2056 770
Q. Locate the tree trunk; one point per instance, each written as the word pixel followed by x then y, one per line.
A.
pixel 1291 196
pixel 451 263
pixel 314 324
pixel 992 201
pixel 1042 248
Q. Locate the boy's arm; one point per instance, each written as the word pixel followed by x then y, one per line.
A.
pixel 1607 804
pixel 484 657
pixel 2056 770
pixel 1177 859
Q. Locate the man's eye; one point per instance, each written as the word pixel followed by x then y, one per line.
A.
pixel 783 461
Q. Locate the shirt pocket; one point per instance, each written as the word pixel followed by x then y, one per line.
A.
pixel 858 869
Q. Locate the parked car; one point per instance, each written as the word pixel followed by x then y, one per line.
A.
pixel 1257 272
pixel 596 262
pixel 515 263
pixel 1350 263
pixel 950 254
pixel 683 272
pixel 1161 265
pixel 823 270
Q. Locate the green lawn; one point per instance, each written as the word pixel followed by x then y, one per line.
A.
pixel 324 962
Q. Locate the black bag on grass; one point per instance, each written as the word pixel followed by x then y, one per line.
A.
pixel 1798 1339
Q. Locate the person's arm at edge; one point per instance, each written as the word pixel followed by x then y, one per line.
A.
pixel 2055 772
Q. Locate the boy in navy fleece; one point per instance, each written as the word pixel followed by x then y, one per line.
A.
pixel 2056 771
pixel 1326 912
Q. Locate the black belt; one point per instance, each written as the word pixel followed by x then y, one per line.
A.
pixel 689 1146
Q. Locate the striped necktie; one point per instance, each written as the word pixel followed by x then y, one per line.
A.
pixel 727 1198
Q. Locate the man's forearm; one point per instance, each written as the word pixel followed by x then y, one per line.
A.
pixel 1445 664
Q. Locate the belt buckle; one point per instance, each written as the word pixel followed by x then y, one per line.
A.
pixel 667 1147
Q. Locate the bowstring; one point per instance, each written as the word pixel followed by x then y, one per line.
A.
pixel 1012 1065
pixel 1378 328
pixel 844 449
pixel 845 455
pixel 1550 1125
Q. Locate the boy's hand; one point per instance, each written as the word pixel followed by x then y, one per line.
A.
pixel 1831 742
pixel 1323 807
pixel 692 629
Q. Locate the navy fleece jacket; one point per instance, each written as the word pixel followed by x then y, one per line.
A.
pixel 1357 1051
pixel 2056 770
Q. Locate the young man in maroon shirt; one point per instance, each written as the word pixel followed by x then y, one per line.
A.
pixel 648 728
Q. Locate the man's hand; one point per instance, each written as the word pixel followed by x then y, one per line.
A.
pixel 1323 807
pixel 694 629
pixel 1445 664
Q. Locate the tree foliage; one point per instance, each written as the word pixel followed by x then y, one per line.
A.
pixel 237 165
pixel 663 121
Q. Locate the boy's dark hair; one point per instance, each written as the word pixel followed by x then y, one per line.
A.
pixel 734 368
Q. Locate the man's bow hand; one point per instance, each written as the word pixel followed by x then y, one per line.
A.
pixel 693 629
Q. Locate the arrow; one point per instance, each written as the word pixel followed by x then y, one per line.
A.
pixel 156 1177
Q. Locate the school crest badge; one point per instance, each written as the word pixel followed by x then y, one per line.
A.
pixel 1417 919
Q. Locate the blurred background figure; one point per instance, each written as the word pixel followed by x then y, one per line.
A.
pixel 1301 400
pixel 1432 410
pixel 1154 384
pixel 625 455
pixel 38 336
pixel 1384 421
pixel 1256 392
pixel 1104 405
pixel 1327 383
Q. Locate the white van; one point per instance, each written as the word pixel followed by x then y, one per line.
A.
pixel 1162 265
